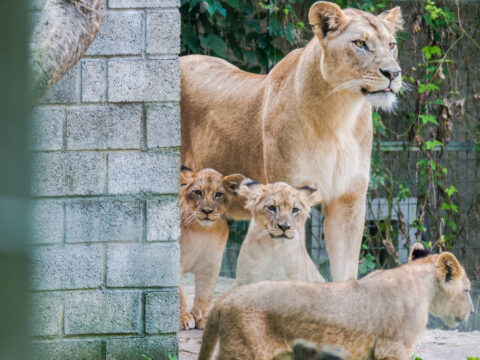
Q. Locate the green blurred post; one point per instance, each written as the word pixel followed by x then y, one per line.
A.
pixel 14 179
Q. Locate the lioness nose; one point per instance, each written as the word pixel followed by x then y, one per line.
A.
pixel 284 226
pixel 390 74
pixel 207 211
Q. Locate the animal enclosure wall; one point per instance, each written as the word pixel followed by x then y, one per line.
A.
pixel 106 138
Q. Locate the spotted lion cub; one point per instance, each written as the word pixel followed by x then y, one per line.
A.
pixel 274 248
pixel 204 198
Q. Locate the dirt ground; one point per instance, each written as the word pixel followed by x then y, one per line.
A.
pixel 433 344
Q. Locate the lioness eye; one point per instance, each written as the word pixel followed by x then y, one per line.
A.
pixel 198 192
pixel 272 208
pixel 218 194
pixel 361 44
pixel 295 210
pixel 392 45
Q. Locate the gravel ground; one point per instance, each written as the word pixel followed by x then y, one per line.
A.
pixel 433 344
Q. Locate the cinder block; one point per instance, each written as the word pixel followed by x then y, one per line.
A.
pixel 94 80
pixel 144 265
pixel 104 127
pixel 154 347
pixel 71 267
pixel 150 172
pixel 94 220
pixel 122 4
pixel 66 90
pixel 143 80
pixel 120 34
pixel 163 219
pixel 163 32
pixel 46 128
pixel 163 125
pixel 107 312
pixel 67 349
pixel 68 174
pixel 46 221
pixel 162 312
pixel 46 313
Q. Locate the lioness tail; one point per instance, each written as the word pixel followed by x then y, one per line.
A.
pixel 210 335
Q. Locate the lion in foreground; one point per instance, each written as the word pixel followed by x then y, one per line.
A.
pixel 204 197
pixel 308 122
pixel 274 248
pixel 379 317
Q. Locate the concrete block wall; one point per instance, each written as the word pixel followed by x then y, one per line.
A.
pixel 105 258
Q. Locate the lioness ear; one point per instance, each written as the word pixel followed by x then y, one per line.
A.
pixel 250 188
pixel 232 182
pixel 308 194
pixel 186 175
pixel 418 251
pixel 448 267
pixel 324 17
pixel 393 18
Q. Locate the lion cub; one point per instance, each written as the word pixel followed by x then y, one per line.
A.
pixel 204 197
pixel 274 248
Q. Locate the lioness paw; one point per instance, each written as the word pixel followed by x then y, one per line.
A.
pixel 187 321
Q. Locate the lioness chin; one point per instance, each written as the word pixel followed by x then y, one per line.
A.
pixel 379 317
pixel 309 121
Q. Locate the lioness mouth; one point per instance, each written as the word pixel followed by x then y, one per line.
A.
pixel 366 92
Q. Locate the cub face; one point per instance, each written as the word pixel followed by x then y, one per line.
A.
pixel 279 208
pixel 205 194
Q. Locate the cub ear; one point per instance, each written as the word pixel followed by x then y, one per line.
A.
pixel 186 175
pixel 393 18
pixel 308 194
pixel 250 188
pixel 418 251
pixel 232 182
pixel 324 17
pixel 448 267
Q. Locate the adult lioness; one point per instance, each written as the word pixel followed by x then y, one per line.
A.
pixel 307 122
pixel 379 317
pixel 204 197
pixel 274 248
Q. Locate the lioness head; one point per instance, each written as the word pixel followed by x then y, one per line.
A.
pixel 451 300
pixel 204 194
pixel 279 208
pixel 360 51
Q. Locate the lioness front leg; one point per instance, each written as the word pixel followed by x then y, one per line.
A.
pixel 390 350
pixel 186 318
pixel 343 227
pixel 205 281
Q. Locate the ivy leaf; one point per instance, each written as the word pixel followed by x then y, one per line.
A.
pixel 451 190
pixel 428 119
pixel 214 43
pixel 432 144
pixel 429 51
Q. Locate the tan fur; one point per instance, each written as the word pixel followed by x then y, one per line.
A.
pixel 378 317
pixel 268 251
pixel 203 236
pixel 307 122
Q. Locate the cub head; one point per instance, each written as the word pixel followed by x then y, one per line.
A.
pixel 451 300
pixel 279 208
pixel 360 51
pixel 204 194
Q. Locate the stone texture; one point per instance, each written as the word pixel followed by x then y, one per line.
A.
pixel 163 32
pixel 104 127
pixel 71 267
pixel 163 219
pixel 67 349
pixel 66 90
pixel 46 317
pixel 150 172
pixel 154 347
pixel 97 312
pixel 163 125
pixel 145 265
pixel 46 221
pixel 121 4
pixel 94 80
pixel 94 220
pixel 120 34
pixel 46 128
pixel 68 174
pixel 143 80
pixel 162 312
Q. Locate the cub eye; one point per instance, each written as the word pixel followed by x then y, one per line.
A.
pixel 272 208
pixel 295 210
pixel 361 44
pixel 198 192
pixel 392 45
pixel 218 194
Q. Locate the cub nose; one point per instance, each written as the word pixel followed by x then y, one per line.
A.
pixel 390 74
pixel 207 211
pixel 284 226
